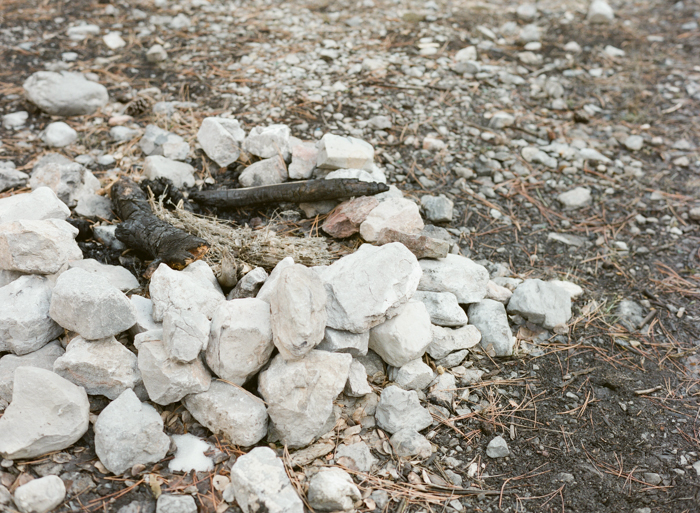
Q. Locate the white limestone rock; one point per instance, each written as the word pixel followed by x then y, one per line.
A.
pixel 88 304
pixel 15 119
pixel 304 156
pixel 40 495
pixel 268 288
pixel 37 247
pixel 600 12
pixel 94 206
pixel 123 134
pixel 415 375
pixel 332 489
pixel 456 274
pixel 443 390
pixel 402 338
pixel 396 213
pixel 357 385
pixel 367 287
pixel 47 413
pixel 101 367
pixel 116 275
pixel 575 198
pixel 400 409
pixel 221 139
pixel 42 358
pixel 11 177
pixel 298 312
pixel 337 152
pixel 490 319
pixel 168 503
pixel 156 141
pixel 143 309
pixel 268 141
pixel 128 432
pixel 185 334
pixel 58 135
pixel 358 453
pixel 268 171
pixel 541 302
pixel 64 93
pixel 497 448
pixel 443 308
pixel 68 179
pixel 240 341
pixel 25 324
pixel 156 53
pixel 299 394
pixel 230 410
pixel 409 442
pixel 497 292
pixel 336 341
pixel 249 285
pixel 180 173
pixel 446 340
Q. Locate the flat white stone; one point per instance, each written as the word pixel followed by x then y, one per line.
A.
pixel 575 198
pixel 446 340
pixel 68 179
pixel 116 275
pixel 397 213
pixel 40 495
pixel 268 141
pixel 337 152
pixel 42 358
pixel 489 317
pixel 190 456
pixel 408 442
pixel 37 247
pixel 403 338
pixel 268 171
pixel 65 94
pixel 175 503
pixel 400 409
pixel 443 308
pixel 332 489
pixel 541 302
pixel 337 341
pixel 415 375
pixel 58 135
pixel 180 173
pixel 185 334
pixel 221 139
pixel 459 275
pixel 600 12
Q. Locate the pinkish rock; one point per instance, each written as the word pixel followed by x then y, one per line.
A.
pixel 347 217
pixel 420 245
pixel 397 213
pixel 304 157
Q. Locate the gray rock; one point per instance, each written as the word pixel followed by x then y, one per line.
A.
pixel 357 385
pixel 7 277
pixel 497 448
pixel 456 274
pixel 399 214
pixel 332 489
pixel 128 432
pixel 298 312
pixel 143 309
pixel 101 367
pixel 443 390
pixel 106 235
pixel 630 313
pixel 94 206
pixel 337 341
pixel 452 359
pixel 634 142
pixel 64 94
pixel 180 173
pixel 230 410
pixel 25 324
pixel 358 453
pixel 336 152
pixel 15 119
pixel 269 141
pixel 369 286
pixel 37 247
pixel 249 285
pixel 240 341
pixel 221 139
pixel 527 12
pixel 541 303
pixel 400 409
pixel 373 364
pixel 260 483
pixel 403 338
pixel 446 340
pixel 575 198
pixel 58 135
pixel 68 179
pixel 88 304
pixel 600 12
pixel 168 503
pixel 123 134
pixel 490 318
pixel 10 177
pixel 269 171
pixel 443 308
pixel 156 141
pixel 304 156
pixel 299 412
pixel 409 442
pixel 47 413
pixel 40 495
pixel 415 375
pixel 268 288
pixel 116 275
pixel 42 358
pixel 185 334
pixel 167 381
pixel 156 53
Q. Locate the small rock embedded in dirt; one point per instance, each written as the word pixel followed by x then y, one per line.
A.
pixel 332 489
pixel 221 139
pixel 156 53
pixel 407 443
pixel 15 119
pixel 541 302
pixel 575 198
pixel 600 12
pixel 40 495
pixel 58 135
pixel 168 503
pixel 497 448
pixel 180 173
pixel 400 409
pixel 490 318
pixel 438 209
pixel 631 314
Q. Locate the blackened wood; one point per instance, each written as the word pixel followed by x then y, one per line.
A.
pixel 293 192
pixel 140 229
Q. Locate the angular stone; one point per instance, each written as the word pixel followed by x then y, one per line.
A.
pixel 194 289
pixel 299 394
pixel 368 286
pixel 600 12
pixel 268 141
pixel 346 218
pixel 446 340
pixel 332 489
pixel 490 318
pixel 156 53
pixel 575 198
pixel 497 292
pixel 167 381
pixel 68 179
pixel 180 173
pixel 298 312
pixel 400 409
pixel 443 308
pixel 337 152
pixel 123 134
pixel 541 303
pixel 399 214
pixel 634 142
pixel 143 308
pixel 116 275
pixel 89 305
pixel 128 432
pixel 497 448
pixel 64 94
pixel 47 413
pixel 106 235
pixel 415 375
pixel 185 334
pixel 304 156
pixel 40 495
pixel 260 484
pixel 101 367
pixel 373 364
pixel 630 314
pixel 422 246
pixel 357 385
pixel 337 341
pixel 94 206
pixel 42 358
pixel 438 209
pixel 249 285
pixel 11 177
pixel 453 359
pixel 58 135
pixel 37 247
pixel 268 287
pixel 156 141
pixel 168 503
pixel 230 410
pixel 402 338
pixel 359 454
pixel 264 172
pixel 409 442
pixel 221 139
pixel 443 390
pixel 15 119
pixel 371 174
pixel 457 274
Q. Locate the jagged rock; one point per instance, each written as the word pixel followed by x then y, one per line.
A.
pixel 332 489
pixel 230 410
pixel 40 495
pixel 541 302
pixel 185 334
pixel 445 340
pixel 221 139
pixel 15 119
pixel 116 275
pixel 268 141
pixel 156 141
pixel 490 318
pixel 457 274
pixel 64 94
pixel 600 12
pixel 298 312
pixel 25 324
pixel 249 285
pixel 88 304
pixel 575 198
pixel 630 313
pixel 42 358
pixel 58 135
pixel 194 289
pixel 346 218
pixel 180 173
pixel 167 381
pixel 368 286
pixel 94 206
pixel 101 367
pixel 47 413
pixel 148 336
pixel 337 341
pixel 400 409
pixel 442 391
pixel 452 359
pixel 357 385
pixel 268 288
pixel 11 177
pixel 304 156
pixel 443 308
pixel 168 503
pixel 402 338
pixel 358 454
pixel 415 375
pixel 373 364
pixel 128 432
pixel 156 53
pixel 37 247
pixel 260 483
pixel 498 293
pixel 438 209
pixel 497 448
pixel 336 152
pixel 264 172
pixel 143 308
pixel 123 134
pixel 399 214
pixel 409 442
pixel 68 179
pixel 240 342
pixel 421 245
pixel 299 394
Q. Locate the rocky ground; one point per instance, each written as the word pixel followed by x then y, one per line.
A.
pixel 566 142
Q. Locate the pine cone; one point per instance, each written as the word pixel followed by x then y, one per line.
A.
pixel 138 106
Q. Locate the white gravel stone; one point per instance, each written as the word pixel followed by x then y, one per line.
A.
pixel 400 409
pixel 600 12
pixel 69 180
pixel 634 142
pixel 403 338
pixel 369 286
pixel 397 213
pixel 221 139
pixel 47 413
pixel 526 12
pixel 575 198
pixel 88 304
pixel 180 173
pixel 438 209
pixel 94 206
pixel 230 410
pixel 37 247
pixel 359 453
pixel 168 503
pixel 298 311
pixel 11 177
pixel 490 318
pixel 593 155
pixel 38 205
pixel 143 308
pixel 443 308
pixel 128 432
pixel 268 287
pixel 156 141
pixel 466 54
pixel 268 171
pixel 113 40
pixel 456 274
pixel 357 385
pixel 337 152
pixel 497 292
pixel 501 120
pixel 304 157
pixel 40 495
pixel 101 367
pixel 332 489
pixel 240 341
pixel 337 341
pixel 299 394
pixel 409 442
pixel 443 390
pixel 497 448
pixel 541 303
pixel 64 94
pixel 260 483
pixel 15 119
pixel 415 375
pixel 58 135
pixel 123 133
pixel 446 340
pixel 42 358
pixel 156 53
pixel 116 275
pixel 185 334
pixel 269 141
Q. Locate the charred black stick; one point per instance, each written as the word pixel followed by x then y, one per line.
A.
pixel 140 229
pixel 293 192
